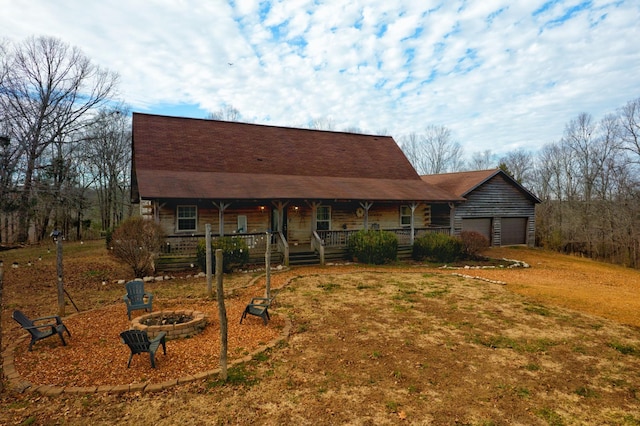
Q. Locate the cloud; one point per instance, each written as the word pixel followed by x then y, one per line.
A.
pixel 500 74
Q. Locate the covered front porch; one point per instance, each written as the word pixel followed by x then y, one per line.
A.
pixel 318 228
pixel 179 252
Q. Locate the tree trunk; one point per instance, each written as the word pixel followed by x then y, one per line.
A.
pixel 60 276
pixel 222 314
pixel 1 284
pixel 208 261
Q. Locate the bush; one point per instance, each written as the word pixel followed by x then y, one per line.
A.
pixel 440 248
pixel 137 242
pixel 473 243
pixel 375 247
pixel 235 253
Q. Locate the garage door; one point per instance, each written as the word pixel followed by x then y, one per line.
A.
pixel 514 231
pixel 480 225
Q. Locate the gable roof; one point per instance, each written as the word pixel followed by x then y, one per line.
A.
pixel 463 183
pixel 177 157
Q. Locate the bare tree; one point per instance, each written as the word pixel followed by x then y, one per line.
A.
pixel 108 158
pixel 48 90
pixel 228 113
pixel 590 195
pixel 630 128
pixel 10 153
pixel 410 145
pixel 1 304
pixel 354 129
pixel 321 123
pixel 520 164
pixel 483 160
pixel 434 151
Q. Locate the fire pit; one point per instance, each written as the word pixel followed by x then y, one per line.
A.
pixel 177 324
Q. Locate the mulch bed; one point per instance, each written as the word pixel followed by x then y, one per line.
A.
pixel 95 356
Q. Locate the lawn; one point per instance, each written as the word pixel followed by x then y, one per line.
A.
pixel 557 344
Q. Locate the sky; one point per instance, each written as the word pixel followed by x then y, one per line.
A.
pixel 500 74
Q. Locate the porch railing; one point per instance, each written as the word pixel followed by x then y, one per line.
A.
pixel 186 245
pixel 340 238
pixel 179 245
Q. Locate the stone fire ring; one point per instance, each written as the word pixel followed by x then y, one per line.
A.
pixel 174 331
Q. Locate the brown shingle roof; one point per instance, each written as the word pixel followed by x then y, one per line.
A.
pixel 194 158
pixel 462 183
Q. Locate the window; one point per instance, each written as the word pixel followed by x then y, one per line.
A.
pixel 187 218
pixel 405 216
pixel 323 218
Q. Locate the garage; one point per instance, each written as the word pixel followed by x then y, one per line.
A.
pixel 495 205
pixel 513 231
pixel 479 225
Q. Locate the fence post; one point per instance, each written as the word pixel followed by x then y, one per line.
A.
pixel 58 238
pixel 222 315
pixel 207 232
pixel 267 262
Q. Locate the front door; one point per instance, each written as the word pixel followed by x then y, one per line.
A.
pixel 298 222
pixel 274 221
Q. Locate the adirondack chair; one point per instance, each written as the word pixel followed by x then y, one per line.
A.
pixel 136 298
pixel 138 341
pixel 259 306
pixel 41 331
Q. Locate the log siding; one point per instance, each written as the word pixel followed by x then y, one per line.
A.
pixel 496 199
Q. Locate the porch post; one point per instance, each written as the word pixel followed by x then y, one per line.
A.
pixel 280 206
pixel 314 214
pixel 366 206
pixel 221 206
pixel 452 220
pixel 413 206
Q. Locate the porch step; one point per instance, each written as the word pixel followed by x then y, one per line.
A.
pixel 405 252
pixel 301 258
pixel 177 264
pixel 335 255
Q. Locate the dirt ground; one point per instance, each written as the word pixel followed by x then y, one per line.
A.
pixel 557 343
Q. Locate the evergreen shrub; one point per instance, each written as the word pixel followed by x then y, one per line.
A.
pixel 440 248
pixel 373 247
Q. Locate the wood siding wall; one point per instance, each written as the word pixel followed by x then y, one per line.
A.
pixel 343 217
pixel 257 220
pixel 497 199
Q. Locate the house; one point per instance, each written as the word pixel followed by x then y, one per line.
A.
pixel 310 189
pixel 496 205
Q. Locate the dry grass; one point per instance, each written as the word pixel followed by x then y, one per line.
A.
pixel 559 344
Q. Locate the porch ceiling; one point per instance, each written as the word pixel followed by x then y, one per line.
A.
pixel 193 184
